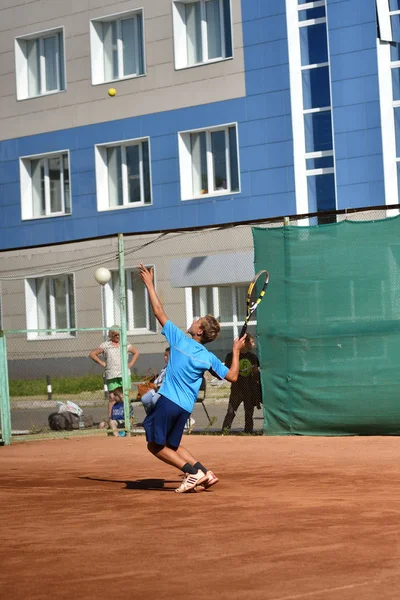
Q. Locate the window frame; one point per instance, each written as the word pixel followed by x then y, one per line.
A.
pixel 101 167
pixel 109 317
pixel 21 63
pixel 26 186
pixel 186 162
pixel 180 35
pixel 237 320
pixel 97 46
pixel 301 115
pixel 31 308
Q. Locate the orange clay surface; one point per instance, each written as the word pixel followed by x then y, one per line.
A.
pixel 292 519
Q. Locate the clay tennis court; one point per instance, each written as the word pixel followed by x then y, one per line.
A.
pixel 291 519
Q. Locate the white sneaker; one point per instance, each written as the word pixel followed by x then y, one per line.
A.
pixel 211 479
pixel 191 481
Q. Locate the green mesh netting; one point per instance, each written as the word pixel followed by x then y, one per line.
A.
pixel 329 328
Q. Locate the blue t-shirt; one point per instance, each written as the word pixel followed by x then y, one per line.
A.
pixel 186 365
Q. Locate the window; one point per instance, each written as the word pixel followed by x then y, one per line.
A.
pixel 140 316
pixel 208 162
pixel 50 305
pixel 311 105
pixel 123 175
pixel 117 47
pixel 39 61
pixel 202 32
pixel 226 303
pixel 45 185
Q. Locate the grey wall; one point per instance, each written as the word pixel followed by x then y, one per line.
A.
pixel 162 89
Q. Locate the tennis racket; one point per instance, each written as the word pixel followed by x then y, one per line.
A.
pixel 255 294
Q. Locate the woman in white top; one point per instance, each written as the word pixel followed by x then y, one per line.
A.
pixel 112 364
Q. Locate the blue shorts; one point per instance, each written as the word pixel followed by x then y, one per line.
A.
pixel 165 424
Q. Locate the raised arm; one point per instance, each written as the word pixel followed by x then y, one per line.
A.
pixel 233 373
pixel 147 276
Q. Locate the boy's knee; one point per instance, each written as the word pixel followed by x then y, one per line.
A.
pixel 154 448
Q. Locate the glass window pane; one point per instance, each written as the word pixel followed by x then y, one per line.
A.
pixel 312 13
pixel 146 173
pixel 227 28
pixel 233 157
pixel 42 304
pixel 60 301
pixel 71 301
pixel 114 176
pixel 199 163
pixel 318 130
pixel 314 45
pixel 50 47
pixel 398 176
pixel 110 50
pixel 241 294
pixel 116 298
pixel 38 197
pixel 213 20
pixel 202 301
pixel 225 305
pixel 67 188
pixel 55 184
pixel 133 170
pixel 395 20
pixel 140 45
pixel 139 301
pixel 60 64
pixel 33 58
pixel 321 192
pixel 316 88
pixel 129 46
pixel 193 33
pixel 394 52
pixel 396 83
pixel 218 148
pixel 397 129
pixel 394 4
pixel 319 163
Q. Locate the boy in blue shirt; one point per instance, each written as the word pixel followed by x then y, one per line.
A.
pixel 189 359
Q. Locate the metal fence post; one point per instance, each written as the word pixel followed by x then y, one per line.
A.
pixel 49 388
pixel 124 343
pixel 5 410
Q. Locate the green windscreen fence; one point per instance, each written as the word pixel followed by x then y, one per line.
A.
pixel 329 328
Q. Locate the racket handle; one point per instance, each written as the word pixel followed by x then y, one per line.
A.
pixel 244 329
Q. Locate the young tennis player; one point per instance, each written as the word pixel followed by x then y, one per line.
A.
pixel 188 361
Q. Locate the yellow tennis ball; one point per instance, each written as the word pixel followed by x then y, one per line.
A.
pixel 112 92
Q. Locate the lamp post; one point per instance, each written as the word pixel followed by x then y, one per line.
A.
pixel 103 276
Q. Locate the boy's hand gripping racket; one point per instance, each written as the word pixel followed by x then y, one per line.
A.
pixel 255 294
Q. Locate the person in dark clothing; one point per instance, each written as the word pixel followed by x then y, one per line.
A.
pixel 246 389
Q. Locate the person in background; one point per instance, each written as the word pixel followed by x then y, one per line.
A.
pixel 111 352
pixel 247 388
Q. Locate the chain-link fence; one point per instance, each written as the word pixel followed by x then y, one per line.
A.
pixel 54 313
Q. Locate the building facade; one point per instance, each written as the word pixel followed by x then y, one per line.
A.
pixel 225 111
